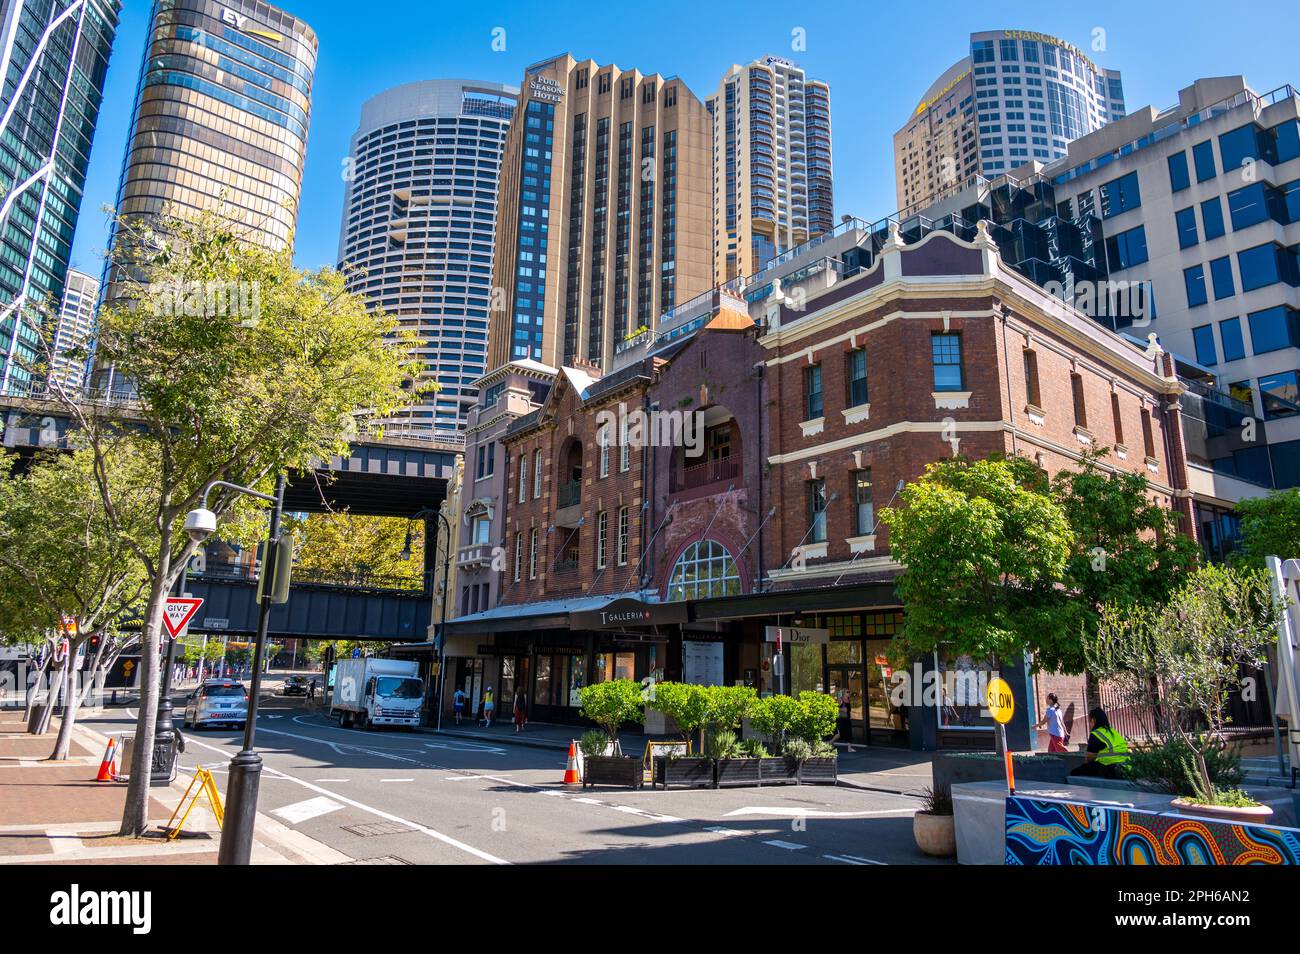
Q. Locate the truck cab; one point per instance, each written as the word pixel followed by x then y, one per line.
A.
pixel 393 700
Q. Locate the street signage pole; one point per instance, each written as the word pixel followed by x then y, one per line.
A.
pixel 177 613
pixel 246 767
pixel 1002 706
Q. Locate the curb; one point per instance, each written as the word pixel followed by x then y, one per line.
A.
pixel 292 846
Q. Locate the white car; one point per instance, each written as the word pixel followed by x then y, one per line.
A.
pixel 217 702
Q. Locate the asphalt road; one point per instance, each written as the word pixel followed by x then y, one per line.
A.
pixel 389 796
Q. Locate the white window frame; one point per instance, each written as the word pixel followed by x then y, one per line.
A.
pixel 603 440
pixel 523 478
pixel 532 554
pixel 624 534
pixel 602 538
pixel 519 554
pixel 537 474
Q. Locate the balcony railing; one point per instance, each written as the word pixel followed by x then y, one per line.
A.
pixel 701 475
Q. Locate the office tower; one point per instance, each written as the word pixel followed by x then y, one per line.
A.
pixel 1017 96
pixel 419 221
pixel 1190 212
pixel 221 116
pixel 771 164
pixel 76 322
pixel 604 220
pixel 53 61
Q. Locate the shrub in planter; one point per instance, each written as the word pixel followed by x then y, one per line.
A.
pixel 1162 766
pixel 933 826
pixel 609 705
pixel 817 714
pixel 776 717
pixel 594 743
pixel 686 704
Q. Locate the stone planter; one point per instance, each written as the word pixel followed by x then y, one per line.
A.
pixel 956 768
pixel 611 770
pixel 682 773
pixel 778 771
pixel 731 772
pixel 819 771
pixel 1251 815
pixel 936 835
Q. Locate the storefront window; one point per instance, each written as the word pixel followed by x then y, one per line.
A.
pixel 963 685
pixel 843 651
pixel 577 679
pixel 542 692
pixel 615 666
pixel 806 669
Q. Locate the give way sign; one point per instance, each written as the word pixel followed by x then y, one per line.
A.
pixel 178 613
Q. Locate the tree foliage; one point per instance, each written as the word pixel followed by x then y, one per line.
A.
pixel 238 393
pixel 1127 550
pixel 983 545
pixel 1270 526
pixel 609 704
pixel 62 557
pixel 1180 660
pixel 345 546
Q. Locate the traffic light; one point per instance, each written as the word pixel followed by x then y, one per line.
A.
pixel 281 568
pixel 92 645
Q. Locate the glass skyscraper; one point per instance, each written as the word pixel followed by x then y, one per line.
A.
pixel 1019 96
pixel 418 231
pixel 221 116
pixel 53 61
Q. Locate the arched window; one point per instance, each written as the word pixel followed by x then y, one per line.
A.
pixel 704 569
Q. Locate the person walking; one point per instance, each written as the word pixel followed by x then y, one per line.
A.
pixel 458 703
pixel 521 709
pixel 1057 737
pixel 1107 749
pixel 489 707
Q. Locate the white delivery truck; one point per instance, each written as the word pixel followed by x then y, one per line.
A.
pixel 371 691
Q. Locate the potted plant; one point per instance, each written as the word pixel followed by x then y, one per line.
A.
pixel 732 766
pixel 609 705
pixel 932 826
pixel 1180 662
pixel 816 720
pixel 686 706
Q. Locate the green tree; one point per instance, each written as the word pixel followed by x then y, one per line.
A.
pixel 242 386
pixel 983 546
pixel 1182 659
pixel 686 704
pixel 609 704
pixel 62 557
pixel 1127 550
pixel 1270 526
pixel 343 546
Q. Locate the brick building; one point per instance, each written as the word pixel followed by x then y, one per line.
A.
pixel 773 428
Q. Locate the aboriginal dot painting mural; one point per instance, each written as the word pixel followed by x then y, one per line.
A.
pixel 1049 832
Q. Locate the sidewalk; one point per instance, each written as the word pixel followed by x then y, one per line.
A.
pixel 877 769
pixel 55 813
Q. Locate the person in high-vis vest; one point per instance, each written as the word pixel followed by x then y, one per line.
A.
pixel 1107 753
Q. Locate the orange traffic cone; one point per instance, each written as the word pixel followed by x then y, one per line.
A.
pixel 106 766
pixel 571 770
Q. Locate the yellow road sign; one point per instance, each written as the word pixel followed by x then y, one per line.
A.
pixel 1002 704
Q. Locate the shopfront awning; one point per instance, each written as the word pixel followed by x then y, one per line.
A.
pixel 548 614
pixel 786 602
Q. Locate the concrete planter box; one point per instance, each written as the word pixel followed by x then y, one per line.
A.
pixel 956 768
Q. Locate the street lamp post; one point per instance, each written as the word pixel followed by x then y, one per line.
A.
pixel 246 767
pixel 164 732
pixel 446 597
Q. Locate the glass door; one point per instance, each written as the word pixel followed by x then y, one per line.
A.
pixel 886 722
pixel 847 687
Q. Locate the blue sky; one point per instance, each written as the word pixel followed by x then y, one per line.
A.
pixel 878 58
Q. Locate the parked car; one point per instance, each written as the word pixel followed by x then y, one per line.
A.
pixel 217 702
pixel 295 686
